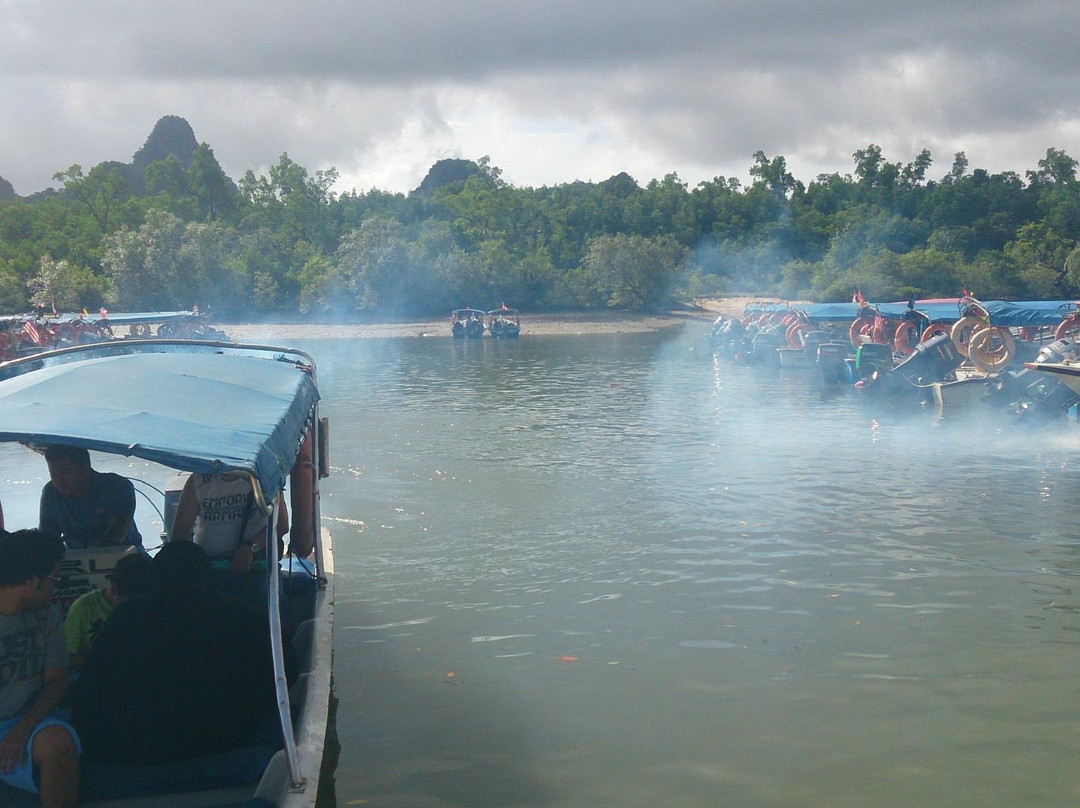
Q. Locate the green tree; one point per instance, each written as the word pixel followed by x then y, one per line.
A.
pixel 61 286
pixel 145 265
pixel 203 183
pixel 633 272
pixel 1056 168
pixel 373 263
pixel 293 203
pixel 1043 254
pixel 101 191
pixel 772 173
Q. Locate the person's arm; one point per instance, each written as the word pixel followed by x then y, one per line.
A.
pixel 282 517
pixel 47 521
pixel 244 557
pixel 13 745
pixel 73 634
pixel 119 523
pixel 187 510
pixel 117 529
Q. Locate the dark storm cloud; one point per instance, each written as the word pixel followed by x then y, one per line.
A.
pixel 553 91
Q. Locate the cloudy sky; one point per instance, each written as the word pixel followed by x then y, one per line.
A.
pixel 552 91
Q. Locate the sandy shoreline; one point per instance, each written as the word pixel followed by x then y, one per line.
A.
pixel 531 325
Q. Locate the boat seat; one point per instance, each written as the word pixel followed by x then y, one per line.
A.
pixel 275 779
pixel 107 781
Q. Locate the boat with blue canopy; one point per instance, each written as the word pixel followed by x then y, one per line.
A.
pixel 467 323
pixel 1019 313
pixel 261 419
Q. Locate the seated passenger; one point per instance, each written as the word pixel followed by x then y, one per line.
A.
pixel 86 508
pixel 130 578
pixel 218 513
pixel 38 752
pixel 182 672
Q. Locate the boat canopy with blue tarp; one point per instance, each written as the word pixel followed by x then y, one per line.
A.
pixel 130 317
pixel 1001 312
pixel 166 407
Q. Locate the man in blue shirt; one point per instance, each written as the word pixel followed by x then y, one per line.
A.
pixel 85 507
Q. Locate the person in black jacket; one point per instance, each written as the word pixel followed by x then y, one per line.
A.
pixel 183 672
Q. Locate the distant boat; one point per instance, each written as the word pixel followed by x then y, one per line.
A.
pixel 26 334
pixel 504 323
pixel 468 323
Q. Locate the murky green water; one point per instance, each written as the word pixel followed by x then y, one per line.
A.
pixel 609 570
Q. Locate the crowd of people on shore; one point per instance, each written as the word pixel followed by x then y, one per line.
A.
pixel 171 662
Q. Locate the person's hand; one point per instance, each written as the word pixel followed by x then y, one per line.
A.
pixel 13 748
pixel 243 558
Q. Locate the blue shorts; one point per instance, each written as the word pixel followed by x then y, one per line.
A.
pixel 23 776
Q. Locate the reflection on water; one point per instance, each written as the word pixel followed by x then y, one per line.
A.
pixel 611 570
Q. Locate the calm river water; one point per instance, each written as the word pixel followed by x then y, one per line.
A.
pixel 614 571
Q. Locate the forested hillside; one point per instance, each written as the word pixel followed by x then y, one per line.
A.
pixel 170 230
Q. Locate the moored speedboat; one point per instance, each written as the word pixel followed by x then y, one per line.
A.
pixel 259 417
pixel 467 323
pixel 504 323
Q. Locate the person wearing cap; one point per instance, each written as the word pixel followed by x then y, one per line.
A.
pixel 39 753
pixel 130 578
pixel 84 507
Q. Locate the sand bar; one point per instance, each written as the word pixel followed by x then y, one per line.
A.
pixel 562 323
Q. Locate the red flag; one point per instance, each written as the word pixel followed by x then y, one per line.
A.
pixel 31 331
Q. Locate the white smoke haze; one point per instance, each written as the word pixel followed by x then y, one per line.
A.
pixel 553 92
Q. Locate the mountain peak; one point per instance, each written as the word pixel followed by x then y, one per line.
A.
pixel 171 135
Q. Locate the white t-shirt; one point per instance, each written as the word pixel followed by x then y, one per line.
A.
pixel 223 499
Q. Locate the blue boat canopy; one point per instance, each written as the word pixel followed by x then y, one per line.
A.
pixel 1001 312
pixel 193 411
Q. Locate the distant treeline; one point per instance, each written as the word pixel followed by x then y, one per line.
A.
pixel 171 230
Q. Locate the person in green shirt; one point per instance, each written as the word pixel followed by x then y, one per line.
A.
pixel 129 579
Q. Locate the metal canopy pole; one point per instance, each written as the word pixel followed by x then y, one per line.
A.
pixel 281 683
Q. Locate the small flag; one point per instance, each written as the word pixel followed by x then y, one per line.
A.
pixel 31 330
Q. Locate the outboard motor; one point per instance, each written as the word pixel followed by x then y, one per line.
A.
pixel 1047 397
pixel 1058 351
pixel 871 356
pixel 728 335
pixel 765 345
pixel 830 361
pixel 932 361
pixel 812 340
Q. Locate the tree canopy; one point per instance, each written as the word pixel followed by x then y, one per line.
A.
pixel 171 230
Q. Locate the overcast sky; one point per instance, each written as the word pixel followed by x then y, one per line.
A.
pixel 552 91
